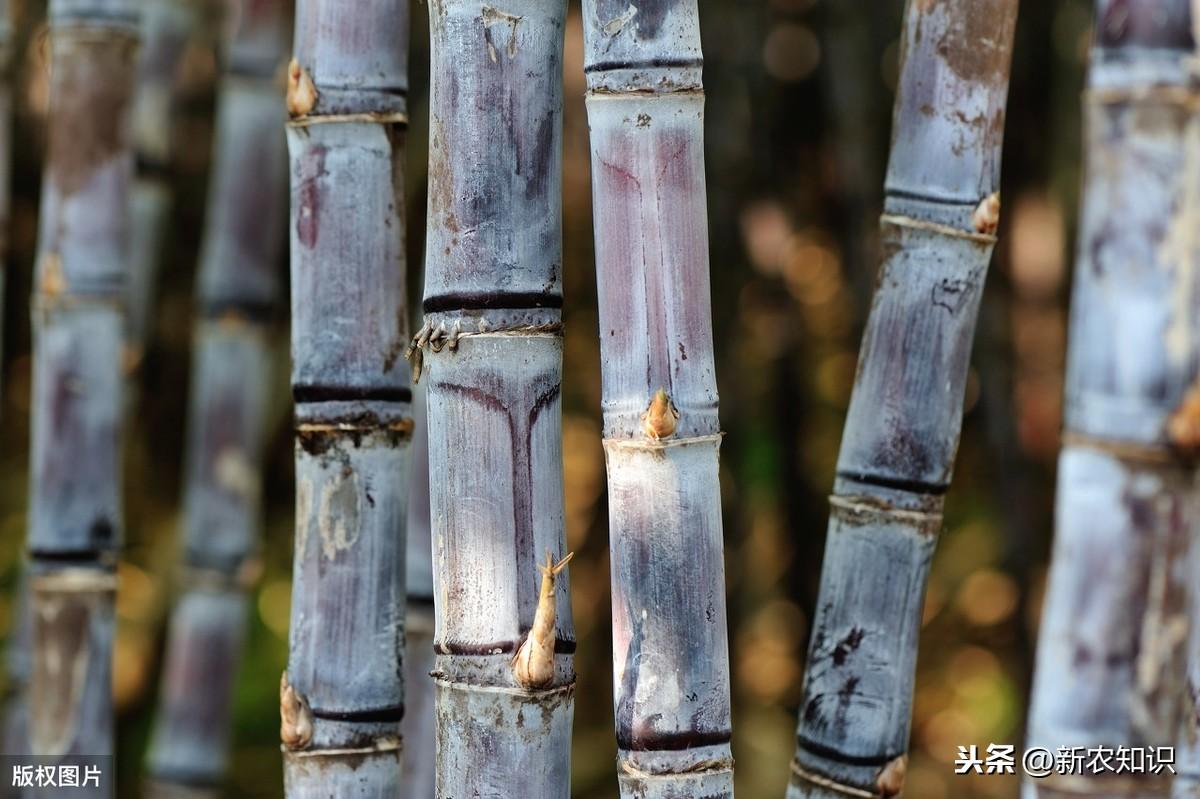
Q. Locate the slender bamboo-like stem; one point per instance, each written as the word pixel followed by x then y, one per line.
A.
pixel 418 727
pixel 342 696
pixel 901 435
pixel 237 297
pixel 166 28
pixel 492 351
pixel 79 302
pixel 670 646
pixel 1112 645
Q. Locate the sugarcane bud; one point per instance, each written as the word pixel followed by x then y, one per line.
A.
pixel 301 93
pixel 533 665
pixel 295 717
pixel 1183 426
pixel 131 358
pixel 53 282
pixel 661 418
pixel 987 215
pixel 890 781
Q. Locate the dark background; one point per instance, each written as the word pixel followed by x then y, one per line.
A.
pixel 799 109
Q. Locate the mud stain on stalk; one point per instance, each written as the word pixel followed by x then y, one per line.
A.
pixel 92 88
pixel 491 17
pixel 617 24
pixel 337 517
pixel 974 40
pixel 441 181
pixel 648 17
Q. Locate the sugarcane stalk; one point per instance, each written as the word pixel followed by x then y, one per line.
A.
pixel 167 26
pixel 418 727
pixel 491 354
pixel 238 293
pixel 941 212
pixel 342 698
pixel 1112 644
pixel 645 107
pixel 79 302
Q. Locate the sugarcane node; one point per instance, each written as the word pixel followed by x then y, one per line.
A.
pixel 1183 425
pixel 987 214
pixel 301 92
pixel 295 717
pixel 661 417
pixel 890 781
pixel 533 664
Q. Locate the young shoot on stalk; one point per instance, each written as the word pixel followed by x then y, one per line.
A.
pixel 533 665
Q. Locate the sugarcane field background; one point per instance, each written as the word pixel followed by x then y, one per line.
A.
pixel 798 126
